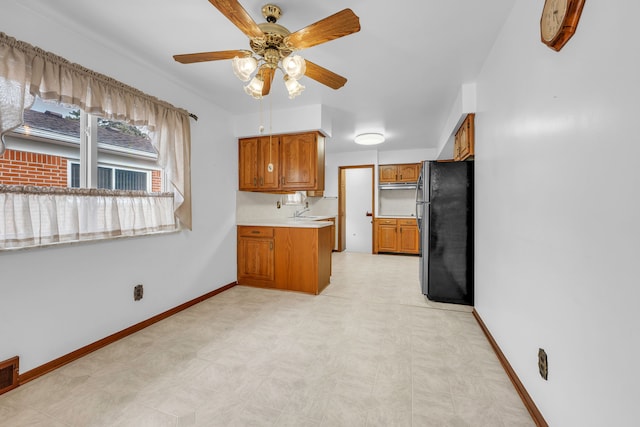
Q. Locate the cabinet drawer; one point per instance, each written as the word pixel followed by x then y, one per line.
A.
pixel 249 231
pixel 387 221
pixel 407 222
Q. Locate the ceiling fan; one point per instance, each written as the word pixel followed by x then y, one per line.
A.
pixel 273 47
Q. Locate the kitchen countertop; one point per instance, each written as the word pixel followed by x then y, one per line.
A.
pixel 300 222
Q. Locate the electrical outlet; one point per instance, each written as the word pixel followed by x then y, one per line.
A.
pixel 138 291
pixel 543 363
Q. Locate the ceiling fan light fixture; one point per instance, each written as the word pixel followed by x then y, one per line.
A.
pixel 254 88
pixel 369 139
pixel 293 86
pixel 294 66
pixel 243 67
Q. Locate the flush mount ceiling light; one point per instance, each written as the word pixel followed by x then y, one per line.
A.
pixel 273 47
pixel 369 139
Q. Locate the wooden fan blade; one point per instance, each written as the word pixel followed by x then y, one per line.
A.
pixel 235 13
pixel 190 58
pixel 267 77
pixel 330 28
pixel 324 76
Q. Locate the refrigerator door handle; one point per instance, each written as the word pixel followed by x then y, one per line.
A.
pixel 418 199
pixel 419 188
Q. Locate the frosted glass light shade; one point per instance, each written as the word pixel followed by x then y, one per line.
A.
pixel 243 67
pixel 254 88
pixel 369 139
pixel 295 66
pixel 293 87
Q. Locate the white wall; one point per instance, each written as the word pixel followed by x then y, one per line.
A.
pixel 56 300
pixel 557 230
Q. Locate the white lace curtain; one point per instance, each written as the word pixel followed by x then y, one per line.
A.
pixel 37 216
pixel 27 71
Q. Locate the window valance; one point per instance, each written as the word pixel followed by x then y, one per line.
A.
pixel 37 216
pixel 27 71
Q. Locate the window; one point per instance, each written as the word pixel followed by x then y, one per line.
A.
pixel 69 82
pixel 114 178
pixel 50 150
pixel 46 152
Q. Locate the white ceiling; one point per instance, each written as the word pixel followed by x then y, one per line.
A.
pixel 443 42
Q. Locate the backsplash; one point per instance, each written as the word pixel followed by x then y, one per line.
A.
pixel 254 205
pixel 397 203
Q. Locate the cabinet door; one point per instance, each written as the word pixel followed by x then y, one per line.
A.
pixel 408 238
pixel 256 261
pixel 269 152
pixel 467 138
pixel 298 162
pixel 464 140
pixel 387 173
pixel 248 163
pixel 456 147
pixel 387 236
pixel 408 173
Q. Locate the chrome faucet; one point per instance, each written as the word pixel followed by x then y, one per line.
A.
pixel 298 214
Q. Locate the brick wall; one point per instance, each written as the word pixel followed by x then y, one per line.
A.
pixel 23 168
pixel 156 181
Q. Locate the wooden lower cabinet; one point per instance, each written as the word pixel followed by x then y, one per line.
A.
pixel 256 256
pixel 387 236
pixel 301 257
pixel 396 235
pixel 409 238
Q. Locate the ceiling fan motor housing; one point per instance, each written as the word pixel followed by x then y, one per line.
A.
pixel 271 13
pixel 272 41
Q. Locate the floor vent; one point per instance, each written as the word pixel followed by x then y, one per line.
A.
pixel 9 374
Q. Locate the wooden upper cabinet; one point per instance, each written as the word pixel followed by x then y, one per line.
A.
pixel 248 162
pixel 302 162
pixel 399 173
pixel 408 173
pixel 387 173
pixel 255 155
pixel 268 177
pixel 297 159
pixel 465 139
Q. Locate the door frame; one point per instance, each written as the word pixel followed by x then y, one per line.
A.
pixel 342 203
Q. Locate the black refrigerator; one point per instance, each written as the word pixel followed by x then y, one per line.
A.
pixel 444 209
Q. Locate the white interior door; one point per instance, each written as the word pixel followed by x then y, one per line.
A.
pixel 359 200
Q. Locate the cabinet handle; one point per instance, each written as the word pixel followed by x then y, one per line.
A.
pixel 255 181
pixel 271 246
pixel 261 181
pixel 282 180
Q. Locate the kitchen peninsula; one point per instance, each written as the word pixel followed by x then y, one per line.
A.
pixel 286 253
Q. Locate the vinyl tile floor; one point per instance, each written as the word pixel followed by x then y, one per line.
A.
pixel 369 351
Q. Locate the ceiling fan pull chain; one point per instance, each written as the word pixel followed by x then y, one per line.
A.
pixel 270 165
pixel 261 127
